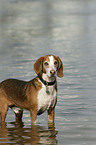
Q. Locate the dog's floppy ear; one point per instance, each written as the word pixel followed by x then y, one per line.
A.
pixel 38 65
pixel 60 67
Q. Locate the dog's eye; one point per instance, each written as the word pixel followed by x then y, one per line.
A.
pixel 46 63
pixel 55 62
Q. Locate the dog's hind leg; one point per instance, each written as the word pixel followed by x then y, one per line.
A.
pixel 18 112
pixel 3 111
pixel 18 116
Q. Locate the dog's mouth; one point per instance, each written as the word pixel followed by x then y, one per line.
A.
pixel 52 75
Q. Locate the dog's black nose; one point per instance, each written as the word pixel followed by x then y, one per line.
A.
pixel 52 72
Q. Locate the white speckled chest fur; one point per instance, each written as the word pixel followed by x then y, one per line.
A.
pixel 46 97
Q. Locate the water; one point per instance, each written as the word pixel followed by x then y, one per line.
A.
pixel 67 28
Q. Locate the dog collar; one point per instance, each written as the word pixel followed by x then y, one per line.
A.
pixel 47 83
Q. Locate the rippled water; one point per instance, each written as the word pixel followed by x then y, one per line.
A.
pixel 67 28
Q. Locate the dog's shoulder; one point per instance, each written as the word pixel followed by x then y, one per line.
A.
pixel 35 83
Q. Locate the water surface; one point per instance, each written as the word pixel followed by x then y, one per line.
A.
pixel 66 28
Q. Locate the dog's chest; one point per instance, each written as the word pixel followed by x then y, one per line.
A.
pixel 46 97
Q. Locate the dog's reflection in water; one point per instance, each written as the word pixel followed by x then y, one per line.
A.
pixel 17 133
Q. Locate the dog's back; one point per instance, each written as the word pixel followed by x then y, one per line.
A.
pixel 14 89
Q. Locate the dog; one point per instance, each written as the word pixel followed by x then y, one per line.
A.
pixel 36 95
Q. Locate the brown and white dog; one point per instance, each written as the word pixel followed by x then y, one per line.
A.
pixel 37 95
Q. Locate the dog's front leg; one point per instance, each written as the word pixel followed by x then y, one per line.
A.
pixel 51 119
pixel 33 115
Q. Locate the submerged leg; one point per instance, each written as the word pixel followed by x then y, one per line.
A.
pixel 51 119
pixel 3 111
pixel 33 116
pixel 18 116
pixel 18 112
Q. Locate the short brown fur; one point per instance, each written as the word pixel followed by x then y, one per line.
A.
pixel 19 93
pixel 24 94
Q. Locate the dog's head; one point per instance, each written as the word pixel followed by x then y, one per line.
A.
pixel 49 65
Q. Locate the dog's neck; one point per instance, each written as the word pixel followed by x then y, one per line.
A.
pixel 48 81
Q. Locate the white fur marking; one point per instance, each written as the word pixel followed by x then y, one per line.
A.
pixel 16 109
pixel 44 99
pixel 51 66
pixel 51 60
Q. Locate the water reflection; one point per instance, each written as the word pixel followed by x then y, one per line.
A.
pixel 20 134
pixel 29 29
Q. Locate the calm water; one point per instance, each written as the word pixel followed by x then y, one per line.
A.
pixel 67 28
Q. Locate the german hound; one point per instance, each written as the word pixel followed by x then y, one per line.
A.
pixel 37 95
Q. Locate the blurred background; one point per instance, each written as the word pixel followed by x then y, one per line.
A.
pixel 66 28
